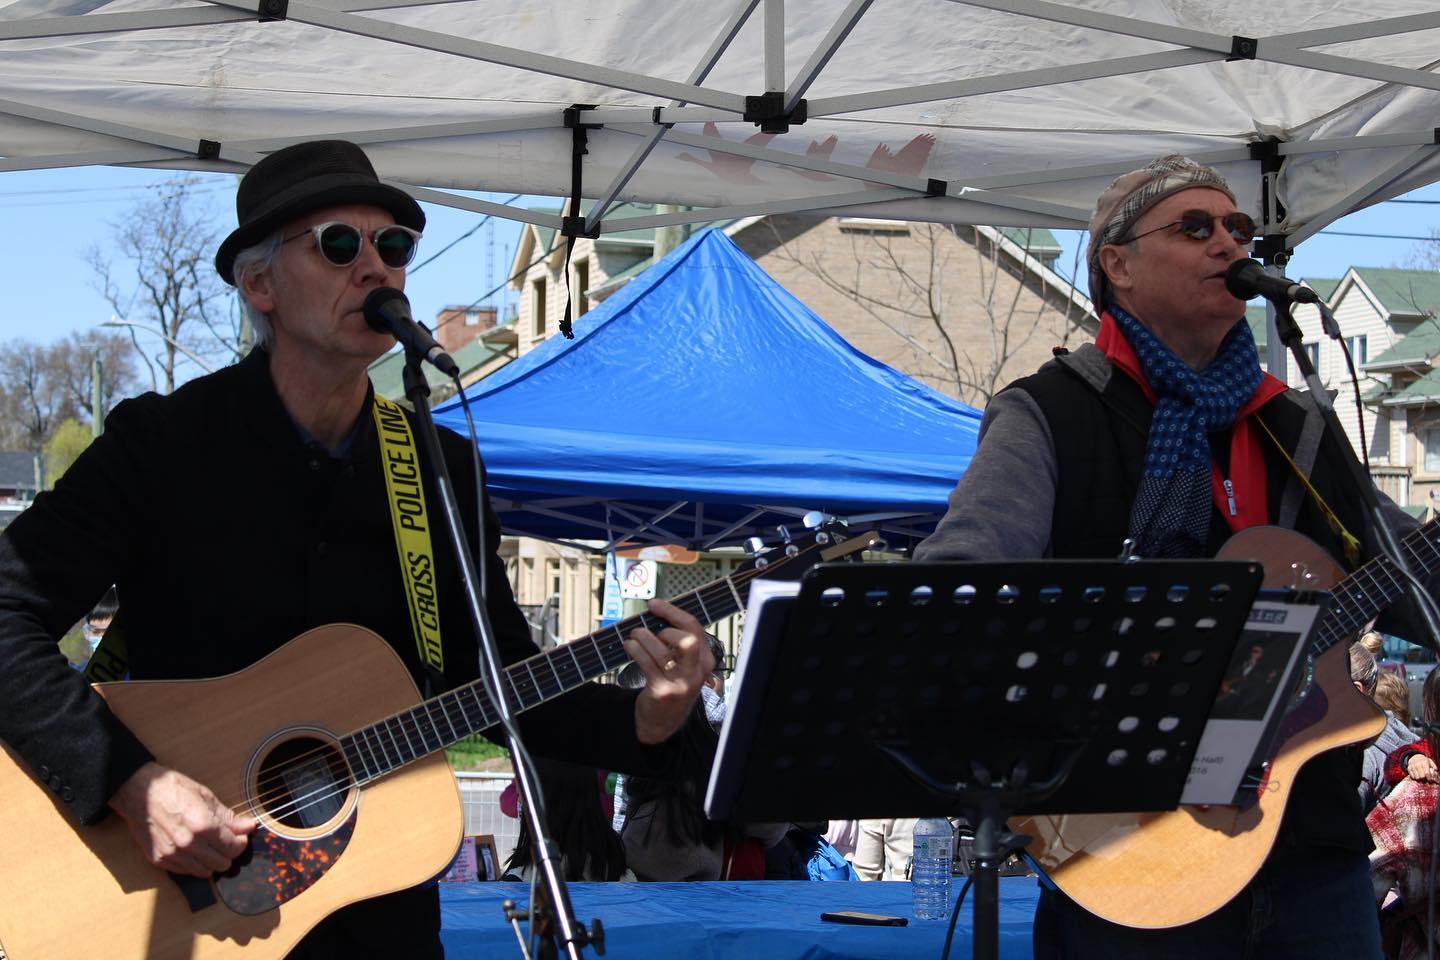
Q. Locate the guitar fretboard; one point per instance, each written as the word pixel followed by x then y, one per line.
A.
pixel 1375 586
pixel 407 736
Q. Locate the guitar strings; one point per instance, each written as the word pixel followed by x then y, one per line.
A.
pixel 339 786
pixel 595 652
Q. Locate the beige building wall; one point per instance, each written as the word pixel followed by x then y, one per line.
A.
pixel 880 284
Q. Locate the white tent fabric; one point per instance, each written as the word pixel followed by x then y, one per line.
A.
pixel 1005 112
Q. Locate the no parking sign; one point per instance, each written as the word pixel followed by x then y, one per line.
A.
pixel 637 578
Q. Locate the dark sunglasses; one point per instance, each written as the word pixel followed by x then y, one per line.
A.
pixel 1199 224
pixel 340 243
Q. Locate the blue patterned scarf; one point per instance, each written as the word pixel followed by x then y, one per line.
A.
pixel 1171 513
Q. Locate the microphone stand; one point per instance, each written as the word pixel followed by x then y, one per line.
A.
pixel 550 900
pixel 1289 332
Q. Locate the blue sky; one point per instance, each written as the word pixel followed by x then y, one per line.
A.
pixel 53 216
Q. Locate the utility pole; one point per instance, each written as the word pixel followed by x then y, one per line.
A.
pixel 97 398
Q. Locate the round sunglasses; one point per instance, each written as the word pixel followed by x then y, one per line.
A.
pixel 340 243
pixel 1199 225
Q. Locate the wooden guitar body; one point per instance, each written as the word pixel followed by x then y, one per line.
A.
pixel 328 743
pixel 1166 869
pixel 90 893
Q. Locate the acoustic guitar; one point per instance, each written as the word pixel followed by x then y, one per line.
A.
pixel 1166 869
pixel 350 807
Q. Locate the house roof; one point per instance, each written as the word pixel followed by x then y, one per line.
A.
pixel 1425 390
pixel 1255 316
pixel 1037 240
pixel 17 469
pixel 1415 348
pixel 387 373
pixel 1325 286
pixel 1404 292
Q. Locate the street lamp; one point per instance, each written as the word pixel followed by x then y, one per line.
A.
pixel 115 321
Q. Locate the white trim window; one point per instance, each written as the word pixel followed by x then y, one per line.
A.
pixel 1430 449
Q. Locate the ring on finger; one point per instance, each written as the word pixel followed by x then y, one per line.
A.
pixel 669 665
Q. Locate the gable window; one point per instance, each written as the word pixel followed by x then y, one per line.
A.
pixel 537 304
pixel 1357 348
pixel 582 283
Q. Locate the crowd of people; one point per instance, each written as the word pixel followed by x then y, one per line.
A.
pixel 1163 433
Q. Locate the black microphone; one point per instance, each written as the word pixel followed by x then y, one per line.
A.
pixel 388 311
pixel 1246 279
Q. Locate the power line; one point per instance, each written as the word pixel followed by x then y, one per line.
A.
pixel 483 220
pixel 1375 236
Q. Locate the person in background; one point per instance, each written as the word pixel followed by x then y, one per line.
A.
pixel 1374 641
pixel 1393 695
pixel 843 835
pixel 1365 674
pixel 98 620
pixel 575 818
pixel 1402 826
pixel 883 848
pixel 711 696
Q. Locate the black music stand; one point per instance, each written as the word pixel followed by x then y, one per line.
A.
pixel 983 689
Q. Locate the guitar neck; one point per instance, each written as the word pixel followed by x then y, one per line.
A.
pixel 1376 585
pixel 405 737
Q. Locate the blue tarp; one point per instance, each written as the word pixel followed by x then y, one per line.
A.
pixel 705 383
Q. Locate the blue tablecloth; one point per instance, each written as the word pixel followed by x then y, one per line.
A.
pixel 756 920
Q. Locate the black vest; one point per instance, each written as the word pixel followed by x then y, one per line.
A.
pixel 1099 437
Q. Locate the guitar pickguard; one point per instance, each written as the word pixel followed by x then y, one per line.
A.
pixel 276 868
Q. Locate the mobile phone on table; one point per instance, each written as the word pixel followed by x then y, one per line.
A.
pixel 866 919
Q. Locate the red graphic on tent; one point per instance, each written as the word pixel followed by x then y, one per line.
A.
pixel 909 160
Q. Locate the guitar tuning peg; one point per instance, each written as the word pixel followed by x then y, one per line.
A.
pixel 754 546
pixel 816 519
pixel 783 533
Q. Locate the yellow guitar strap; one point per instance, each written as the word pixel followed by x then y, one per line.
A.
pixel 1347 539
pixel 412 529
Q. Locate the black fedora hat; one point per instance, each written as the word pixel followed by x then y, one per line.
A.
pixel 303 177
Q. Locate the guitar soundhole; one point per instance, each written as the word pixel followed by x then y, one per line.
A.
pixel 302 783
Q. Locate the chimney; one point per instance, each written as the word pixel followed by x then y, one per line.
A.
pixel 457 326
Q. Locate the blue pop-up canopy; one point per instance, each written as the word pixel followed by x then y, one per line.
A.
pixel 702 403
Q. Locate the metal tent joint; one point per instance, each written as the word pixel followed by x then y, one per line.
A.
pixel 1273 250
pixel 208 150
pixel 1243 48
pixel 768 112
pixel 271 10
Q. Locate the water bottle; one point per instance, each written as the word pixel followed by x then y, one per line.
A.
pixel 930 868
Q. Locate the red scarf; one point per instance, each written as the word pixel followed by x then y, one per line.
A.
pixel 1247 456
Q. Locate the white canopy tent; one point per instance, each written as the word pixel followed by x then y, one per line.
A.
pixel 1002 112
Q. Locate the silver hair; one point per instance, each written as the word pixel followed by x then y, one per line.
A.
pixel 253 259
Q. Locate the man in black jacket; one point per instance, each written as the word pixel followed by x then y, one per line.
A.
pixel 1166 432
pixel 250 506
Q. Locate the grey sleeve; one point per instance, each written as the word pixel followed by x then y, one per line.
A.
pixel 1003 506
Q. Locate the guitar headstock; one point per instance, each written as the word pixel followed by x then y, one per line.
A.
pixel 790 555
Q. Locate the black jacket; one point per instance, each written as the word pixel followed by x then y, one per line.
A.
pixel 227 535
